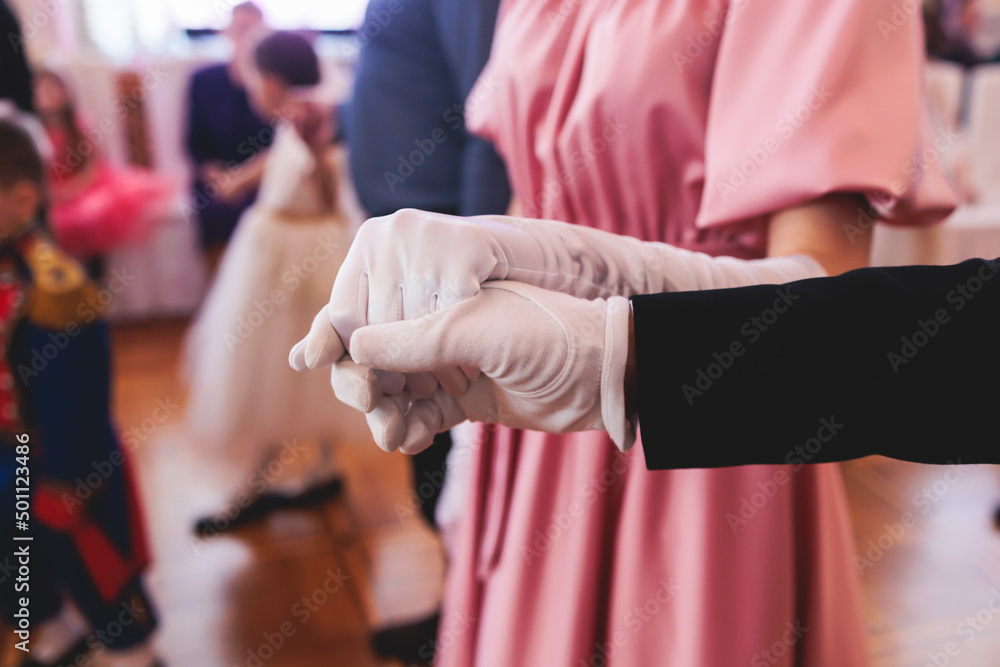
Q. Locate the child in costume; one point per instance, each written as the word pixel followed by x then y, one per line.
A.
pixel 96 206
pixel 277 427
pixel 60 448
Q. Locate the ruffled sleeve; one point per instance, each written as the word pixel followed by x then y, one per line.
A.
pixel 810 98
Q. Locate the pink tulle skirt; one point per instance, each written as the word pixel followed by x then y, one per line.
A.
pixel 121 207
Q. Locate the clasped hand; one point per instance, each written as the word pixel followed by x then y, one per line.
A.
pixel 425 329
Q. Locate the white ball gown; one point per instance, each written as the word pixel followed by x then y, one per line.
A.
pixel 261 419
pixel 246 405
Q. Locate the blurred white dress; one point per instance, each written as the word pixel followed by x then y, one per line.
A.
pixel 245 402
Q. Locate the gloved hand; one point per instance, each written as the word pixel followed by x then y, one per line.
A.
pixel 549 362
pixel 413 263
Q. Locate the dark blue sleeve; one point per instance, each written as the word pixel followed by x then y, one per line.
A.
pixel 340 129
pixel 196 131
pixel 466 30
pixel 72 396
pixel 902 362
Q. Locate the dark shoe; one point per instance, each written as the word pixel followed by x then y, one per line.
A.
pixel 312 496
pixel 266 504
pixel 412 643
pixel 70 657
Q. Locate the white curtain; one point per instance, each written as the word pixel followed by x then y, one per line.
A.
pixel 122 28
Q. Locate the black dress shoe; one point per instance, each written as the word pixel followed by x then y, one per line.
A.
pixel 412 643
pixel 266 504
pixel 70 657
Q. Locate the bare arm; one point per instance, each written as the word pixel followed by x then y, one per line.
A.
pixel 236 183
pixel 815 228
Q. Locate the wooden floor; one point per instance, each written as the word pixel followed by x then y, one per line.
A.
pixel 926 544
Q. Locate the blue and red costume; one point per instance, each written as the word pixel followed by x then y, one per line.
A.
pixel 55 377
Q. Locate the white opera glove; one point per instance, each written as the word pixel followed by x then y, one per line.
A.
pixel 548 362
pixel 412 263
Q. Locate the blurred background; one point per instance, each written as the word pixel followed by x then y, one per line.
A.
pixel 342 558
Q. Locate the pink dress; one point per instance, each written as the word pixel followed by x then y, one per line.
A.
pixel 688 122
pixel 119 206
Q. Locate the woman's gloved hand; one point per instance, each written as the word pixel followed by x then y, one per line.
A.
pixel 413 263
pixel 548 362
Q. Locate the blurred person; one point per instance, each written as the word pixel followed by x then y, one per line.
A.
pixel 410 148
pixel 952 29
pixel 750 130
pixel 224 131
pixel 245 403
pixel 89 550
pixel 95 206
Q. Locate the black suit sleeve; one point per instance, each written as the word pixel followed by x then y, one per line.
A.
pixel 901 362
pixel 196 129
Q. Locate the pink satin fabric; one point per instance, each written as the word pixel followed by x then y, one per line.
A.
pixel 686 122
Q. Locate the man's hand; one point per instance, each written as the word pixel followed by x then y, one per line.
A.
pixel 548 362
